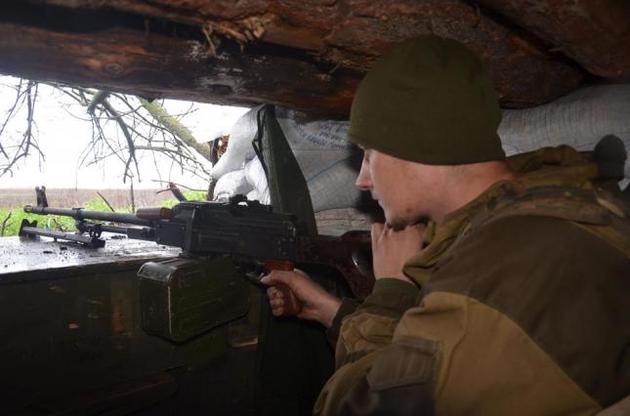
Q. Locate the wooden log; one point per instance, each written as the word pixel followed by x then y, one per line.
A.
pixel 305 55
pixel 353 33
pixel 594 33
pixel 524 75
pixel 161 66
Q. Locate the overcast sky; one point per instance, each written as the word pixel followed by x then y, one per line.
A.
pixel 63 137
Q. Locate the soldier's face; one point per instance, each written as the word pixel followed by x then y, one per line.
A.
pixel 405 190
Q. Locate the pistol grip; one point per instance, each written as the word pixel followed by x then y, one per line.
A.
pixel 292 305
pixel 284 265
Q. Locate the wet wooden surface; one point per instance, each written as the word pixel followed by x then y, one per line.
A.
pixel 24 259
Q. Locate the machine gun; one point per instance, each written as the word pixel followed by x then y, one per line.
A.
pixel 246 233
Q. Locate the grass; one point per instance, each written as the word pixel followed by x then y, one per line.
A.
pixel 190 195
pixel 11 219
pixel 14 217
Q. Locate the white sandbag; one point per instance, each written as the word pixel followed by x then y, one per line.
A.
pixel 579 119
pixel 334 187
pixel 230 184
pixel 255 176
pixel 239 149
pixel 321 150
pixel 317 144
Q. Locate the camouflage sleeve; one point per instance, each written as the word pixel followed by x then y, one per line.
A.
pixel 378 373
pixel 390 297
pixel 372 325
pixel 348 306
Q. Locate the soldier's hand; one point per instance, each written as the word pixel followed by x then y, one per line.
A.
pixel 316 304
pixel 391 249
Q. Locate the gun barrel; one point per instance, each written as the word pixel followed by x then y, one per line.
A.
pixel 81 214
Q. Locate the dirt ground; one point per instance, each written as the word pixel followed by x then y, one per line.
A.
pixel 68 198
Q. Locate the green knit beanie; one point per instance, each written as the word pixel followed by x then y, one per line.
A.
pixel 429 101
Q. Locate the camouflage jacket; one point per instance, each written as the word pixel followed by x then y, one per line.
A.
pixel 524 310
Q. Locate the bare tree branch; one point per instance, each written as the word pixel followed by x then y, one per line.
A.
pixel 98 98
pixel 131 146
pixel 176 128
pixel 144 128
pixel 4 224
pixel 28 139
pixel 177 184
pixel 10 113
pixel 106 201
pixel 177 193
pixel 133 197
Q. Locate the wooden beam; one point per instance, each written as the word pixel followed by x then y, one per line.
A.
pixel 524 75
pixel 305 57
pixel 594 33
pixel 161 66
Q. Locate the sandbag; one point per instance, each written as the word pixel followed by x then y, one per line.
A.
pixel 327 160
pixel 329 163
pixel 326 157
pixel 230 184
pixel 579 120
pixel 255 176
pixel 240 148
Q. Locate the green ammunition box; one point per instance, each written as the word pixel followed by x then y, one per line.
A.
pixel 183 297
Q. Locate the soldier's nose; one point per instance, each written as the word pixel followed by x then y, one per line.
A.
pixel 363 182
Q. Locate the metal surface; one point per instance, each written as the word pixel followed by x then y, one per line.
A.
pixel 29 230
pixel 183 298
pixel 81 213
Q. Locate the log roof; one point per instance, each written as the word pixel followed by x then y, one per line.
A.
pixel 306 54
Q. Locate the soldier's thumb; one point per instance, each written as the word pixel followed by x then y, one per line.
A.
pixel 274 278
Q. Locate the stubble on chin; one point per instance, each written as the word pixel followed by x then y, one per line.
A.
pixel 394 219
pixel 399 223
pixel 396 224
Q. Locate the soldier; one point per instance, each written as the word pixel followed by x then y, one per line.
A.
pixel 516 303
